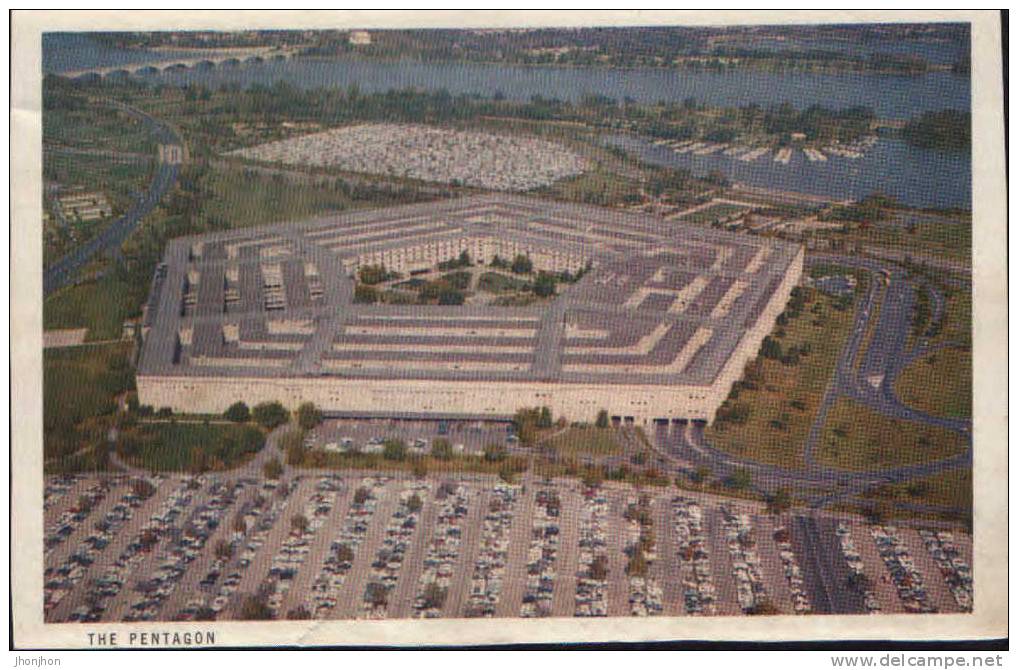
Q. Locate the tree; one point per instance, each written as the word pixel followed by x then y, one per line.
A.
pixel 376 594
pixel 394 450
pixel 442 449
pixel 239 524
pixel 599 568
pixel 637 566
pixel 592 478
pixel 272 469
pixel 364 294
pixel 270 414
pixel 361 495
pixel 223 550
pixel 740 479
pixel 770 348
pixel 495 452
pixel 434 596
pixel 300 523
pixel 544 285
pixel 238 412
pixel 344 554
pixel 701 474
pixel 544 421
pixel 308 416
pixel 780 502
pixel 300 613
pixel 255 608
pixel 415 503
pixel 602 419
pixel 142 488
pixel 522 264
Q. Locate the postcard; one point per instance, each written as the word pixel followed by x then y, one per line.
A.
pixel 422 328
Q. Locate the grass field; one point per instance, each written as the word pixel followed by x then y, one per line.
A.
pixel 496 282
pixel 858 438
pixel 100 306
pixel 97 127
pixel 593 441
pixel 716 212
pixel 79 390
pixel 941 237
pixel 189 446
pixel 949 489
pixel 939 383
pixel 782 400
pixel 956 325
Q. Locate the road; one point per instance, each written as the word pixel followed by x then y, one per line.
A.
pixel 62 272
pixel 865 372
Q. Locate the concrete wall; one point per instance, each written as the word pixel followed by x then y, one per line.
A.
pixel 575 401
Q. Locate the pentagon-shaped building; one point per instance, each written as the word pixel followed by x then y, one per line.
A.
pixel 659 328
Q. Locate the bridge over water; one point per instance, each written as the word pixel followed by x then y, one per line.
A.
pixel 201 60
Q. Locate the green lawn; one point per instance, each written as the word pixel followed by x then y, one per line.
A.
pixel 80 385
pixel 96 126
pixel 595 441
pixel 496 282
pixel 238 198
pixel 950 489
pixel 780 400
pixel 716 212
pixel 100 306
pixel 858 438
pixel 189 446
pixel 939 384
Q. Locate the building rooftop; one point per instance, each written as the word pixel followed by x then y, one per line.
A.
pixel 663 303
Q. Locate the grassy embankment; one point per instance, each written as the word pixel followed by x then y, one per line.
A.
pixel 772 408
pixel 80 386
pixel 191 447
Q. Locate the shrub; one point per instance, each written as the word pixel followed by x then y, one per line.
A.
pixel 308 416
pixel 495 452
pixel 522 264
pixel 394 450
pixel 442 449
pixel 602 419
pixel 273 469
pixel 238 412
pixel 270 414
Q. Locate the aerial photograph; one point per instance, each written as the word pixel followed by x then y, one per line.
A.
pixel 645 321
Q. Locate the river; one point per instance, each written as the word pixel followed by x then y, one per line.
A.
pixel 916 177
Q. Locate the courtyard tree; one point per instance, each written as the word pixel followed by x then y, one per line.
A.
pixel 522 264
pixel 544 285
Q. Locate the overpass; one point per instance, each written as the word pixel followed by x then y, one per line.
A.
pixel 202 60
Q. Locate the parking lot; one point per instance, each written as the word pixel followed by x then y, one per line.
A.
pixel 367 435
pixel 348 545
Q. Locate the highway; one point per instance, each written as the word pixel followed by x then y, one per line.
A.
pixel 62 272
